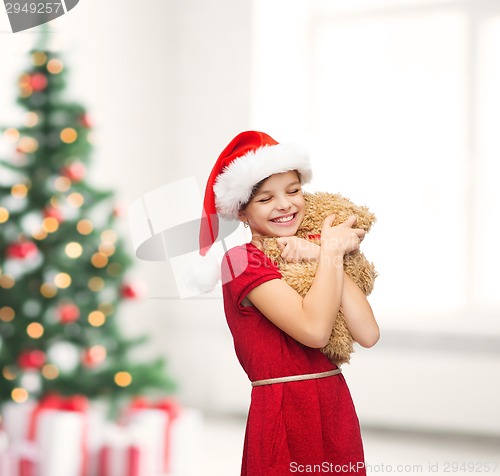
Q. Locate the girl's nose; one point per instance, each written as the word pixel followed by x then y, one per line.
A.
pixel 283 203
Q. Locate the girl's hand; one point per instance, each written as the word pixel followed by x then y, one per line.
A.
pixel 341 238
pixel 295 249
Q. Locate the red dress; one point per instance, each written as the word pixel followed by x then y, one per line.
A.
pixel 299 427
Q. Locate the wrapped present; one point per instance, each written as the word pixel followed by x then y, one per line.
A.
pixel 65 437
pixel 19 459
pixel 96 435
pixel 47 438
pixel 185 441
pixel 18 455
pixel 123 453
pixel 16 418
pixel 4 455
pixel 153 421
pixel 59 427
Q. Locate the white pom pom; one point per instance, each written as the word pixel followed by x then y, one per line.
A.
pixel 202 275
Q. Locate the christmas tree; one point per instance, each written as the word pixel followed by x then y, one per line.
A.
pixel 62 263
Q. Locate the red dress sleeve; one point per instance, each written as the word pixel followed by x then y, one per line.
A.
pixel 244 268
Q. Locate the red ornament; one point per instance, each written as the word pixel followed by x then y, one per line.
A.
pixel 31 359
pixel 119 211
pixel 22 250
pixel 38 82
pixel 75 171
pixel 129 291
pixel 68 313
pixel 94 356
pixel 85 121
pixel 53 212
pixel 132 290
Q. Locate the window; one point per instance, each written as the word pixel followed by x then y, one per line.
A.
pixel 399 105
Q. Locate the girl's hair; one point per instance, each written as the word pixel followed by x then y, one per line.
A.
pixel 256 187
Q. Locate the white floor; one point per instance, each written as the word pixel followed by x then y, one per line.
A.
pixel 386 452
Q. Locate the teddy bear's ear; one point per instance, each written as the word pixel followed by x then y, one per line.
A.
pixel 365 218
pixel 321 204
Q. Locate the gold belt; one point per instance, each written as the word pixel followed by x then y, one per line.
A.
pixel 295 378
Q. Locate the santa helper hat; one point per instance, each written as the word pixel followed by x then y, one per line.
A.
pixel 249 158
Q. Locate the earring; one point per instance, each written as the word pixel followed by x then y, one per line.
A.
pixel 245 224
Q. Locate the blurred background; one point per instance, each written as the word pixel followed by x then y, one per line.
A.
pixel 396 102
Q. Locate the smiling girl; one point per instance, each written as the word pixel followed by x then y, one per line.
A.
pixel 301 413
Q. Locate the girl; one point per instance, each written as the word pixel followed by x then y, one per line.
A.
pixel 301 416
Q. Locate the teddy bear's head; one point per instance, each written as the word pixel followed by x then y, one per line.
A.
pixel 321 204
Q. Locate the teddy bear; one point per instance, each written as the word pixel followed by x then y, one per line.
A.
pixel 300 275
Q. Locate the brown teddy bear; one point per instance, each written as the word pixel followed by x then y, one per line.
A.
pixel 300 275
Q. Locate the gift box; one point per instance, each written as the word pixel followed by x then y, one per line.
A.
pixel 170 436
pixel 186 446
pixel 59 427
pixel 96 435
pixel 66 437
pixel 123 453
pixel 4 456
pixel 20 459
pixel 18 455
pixel 16 419
pixel 47 438
pixel 61 440
pixel 152 422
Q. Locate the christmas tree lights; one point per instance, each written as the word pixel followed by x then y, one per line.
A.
pixel 63 266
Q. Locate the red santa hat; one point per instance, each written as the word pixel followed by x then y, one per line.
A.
pixel 249 158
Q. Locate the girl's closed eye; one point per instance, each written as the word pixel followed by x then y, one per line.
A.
pixel 264 200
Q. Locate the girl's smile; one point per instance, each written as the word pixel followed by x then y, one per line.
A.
pixel 284 219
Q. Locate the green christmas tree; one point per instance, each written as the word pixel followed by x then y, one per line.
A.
pixel 62 263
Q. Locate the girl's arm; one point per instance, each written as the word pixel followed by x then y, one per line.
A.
pixel 310 320
pixel 357 311
pixel 358 314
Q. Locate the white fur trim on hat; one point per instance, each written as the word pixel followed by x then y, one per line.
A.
pixel 233 187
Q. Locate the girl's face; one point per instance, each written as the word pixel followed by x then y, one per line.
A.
pixel 277 208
